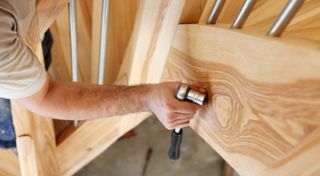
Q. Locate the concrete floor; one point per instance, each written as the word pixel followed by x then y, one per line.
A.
pixel 146 155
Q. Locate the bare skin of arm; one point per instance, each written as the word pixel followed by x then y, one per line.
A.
pixel 80 101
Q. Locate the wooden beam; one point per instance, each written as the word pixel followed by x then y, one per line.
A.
pixel 264 96
pixel 90 140
pixel 150 42
pixel 149 45
pixel 29 161
pixel 9 164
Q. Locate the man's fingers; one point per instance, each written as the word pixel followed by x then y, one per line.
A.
pixel 173 117
pixel 185 107
pixel 197 88
pixel 182 125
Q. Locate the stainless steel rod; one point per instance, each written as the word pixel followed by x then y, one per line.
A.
pixel 73 42
pixel 215 12
pixel 285 17
pixel 243 14
pixel 103 41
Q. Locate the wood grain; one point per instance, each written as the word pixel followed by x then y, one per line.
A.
pixel 9 164
pixel 264 100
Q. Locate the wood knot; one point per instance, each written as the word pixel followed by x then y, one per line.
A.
pixel 222 107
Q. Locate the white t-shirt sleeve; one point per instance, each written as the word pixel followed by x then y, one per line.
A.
pixel 21 74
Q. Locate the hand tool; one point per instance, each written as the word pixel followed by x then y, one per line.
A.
pixel 184 93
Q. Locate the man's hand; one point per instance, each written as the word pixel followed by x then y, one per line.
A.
pixel 171 112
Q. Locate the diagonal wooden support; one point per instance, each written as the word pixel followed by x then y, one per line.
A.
pixel 144 61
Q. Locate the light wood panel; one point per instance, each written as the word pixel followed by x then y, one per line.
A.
pixel 145 57
pixel 263 113
pixel 9 164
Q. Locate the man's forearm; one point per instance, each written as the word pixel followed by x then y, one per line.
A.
pixel 79 101
pixel 87 101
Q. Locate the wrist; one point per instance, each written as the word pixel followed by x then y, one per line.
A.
pixel 148 96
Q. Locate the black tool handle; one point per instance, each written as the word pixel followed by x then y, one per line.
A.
pixel 174 150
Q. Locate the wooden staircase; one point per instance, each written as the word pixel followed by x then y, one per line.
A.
pixel 264 112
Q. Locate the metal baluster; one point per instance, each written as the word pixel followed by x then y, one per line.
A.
pixel 103 41
pixel 243 14
pixel 215 12
pixel 285 17
pixel 73 39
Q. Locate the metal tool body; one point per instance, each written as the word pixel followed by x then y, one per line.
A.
pixel 184 93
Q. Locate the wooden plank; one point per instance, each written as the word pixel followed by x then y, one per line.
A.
pixel 9 164
pixel 29 162
pixel 150 42
pixel 264 96
pixel 303 160
pixel 149 45
pixel 90 140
